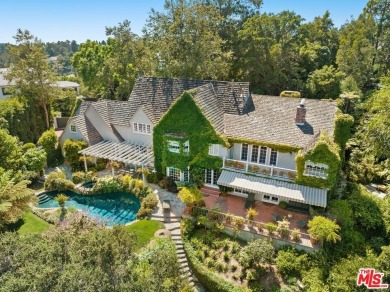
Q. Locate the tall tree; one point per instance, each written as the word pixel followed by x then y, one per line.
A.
pixel 108 69
pixel 30 71
pixel 186 43
pixel 365 43
pixel 269 51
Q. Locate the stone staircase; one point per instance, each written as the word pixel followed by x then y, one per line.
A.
pixel 185 271
pixel 42 197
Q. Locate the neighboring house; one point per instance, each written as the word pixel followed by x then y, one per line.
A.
pixel 216 132
pixel 5 85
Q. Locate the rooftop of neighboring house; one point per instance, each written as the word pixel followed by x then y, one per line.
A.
pixel 229 107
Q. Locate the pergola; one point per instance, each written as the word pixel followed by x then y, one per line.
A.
pixel 125 152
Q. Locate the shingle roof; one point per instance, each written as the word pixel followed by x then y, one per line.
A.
pixel 273 120
pixel 207 100
pixel 160 93
pixel 87 129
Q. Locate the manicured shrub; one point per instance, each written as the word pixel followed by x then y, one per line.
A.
pixel 257 252
pixel 49 143
pixel 143 212
pixel 283 228
pixel 71 149
pixel 56 180
pixel 150 201
pixel 106 185
pixel 169 184
pixel 80 176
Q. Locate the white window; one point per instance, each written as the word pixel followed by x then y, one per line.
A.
pixel 274 157
pixel 174 173
pixel 73 128
pixel 178 175
pixel 174 146
pixel 211 176
pixel 263 155
pixel 214 150
pixel 255 153
pixel 142 128
pixel 244 152
pixel 186 147
pixel 315 169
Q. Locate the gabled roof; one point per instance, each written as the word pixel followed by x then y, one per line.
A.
pixel 158 94
pixel 207 100
pixel 273 120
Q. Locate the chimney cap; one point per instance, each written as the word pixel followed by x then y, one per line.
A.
pixel 302 103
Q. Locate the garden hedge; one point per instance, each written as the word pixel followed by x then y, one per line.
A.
pixel 207 278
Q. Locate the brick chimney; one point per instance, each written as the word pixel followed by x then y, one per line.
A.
pixel 300 118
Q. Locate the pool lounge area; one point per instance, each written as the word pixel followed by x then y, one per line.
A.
pixel 112 209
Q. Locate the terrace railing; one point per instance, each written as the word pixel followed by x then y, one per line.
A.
pixel 252 226
pixel 260 169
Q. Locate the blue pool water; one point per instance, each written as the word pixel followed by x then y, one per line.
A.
pixel 113 209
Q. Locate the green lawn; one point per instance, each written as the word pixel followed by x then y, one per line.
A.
pixel 32 224
pixel 144 229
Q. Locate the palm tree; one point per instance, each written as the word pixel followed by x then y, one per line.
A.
pixel 15 198
pixel 61 200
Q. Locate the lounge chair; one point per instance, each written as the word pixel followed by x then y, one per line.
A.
pixel 277 217
pixel 301 223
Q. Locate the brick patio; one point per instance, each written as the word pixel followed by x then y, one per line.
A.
pixel 235 205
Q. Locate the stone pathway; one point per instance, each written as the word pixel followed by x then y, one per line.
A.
pixel 172 223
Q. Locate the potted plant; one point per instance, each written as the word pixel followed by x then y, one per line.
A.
pixel 283 205
pixel 270 227
pixel 283 228
pixel 190 196
pixel 250 215
pixel 296 235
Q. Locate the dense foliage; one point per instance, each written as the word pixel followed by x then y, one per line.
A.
pixel 71 149
pixel 50 144
pixel 81 255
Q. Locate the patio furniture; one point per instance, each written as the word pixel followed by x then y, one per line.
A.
pixel 249 201
pixel 277 217
pixel 301 223
pixel 166 205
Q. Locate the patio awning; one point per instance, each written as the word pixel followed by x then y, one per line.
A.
pixel 282 189
pixel 122 152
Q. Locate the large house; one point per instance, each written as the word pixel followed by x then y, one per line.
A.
pixel 268 147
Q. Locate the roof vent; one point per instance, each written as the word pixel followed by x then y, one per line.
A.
pixel 300 117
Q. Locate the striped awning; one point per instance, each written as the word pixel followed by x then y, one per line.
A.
pixel 133 153
pixel 284 190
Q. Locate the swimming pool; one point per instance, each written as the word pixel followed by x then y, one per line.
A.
pixel 113 209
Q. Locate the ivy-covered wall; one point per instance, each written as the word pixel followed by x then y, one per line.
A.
pixel 326 152
pixel 185 118
pixel 342 130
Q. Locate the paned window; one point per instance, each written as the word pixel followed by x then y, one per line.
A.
pixel 174 173
pixel 273 158
pixel 244 152
pixel 214 149
pixel 263 155
pixel 255 153
pixel 186 147
pixel 73 128
pixel 173 146
pixel 142 128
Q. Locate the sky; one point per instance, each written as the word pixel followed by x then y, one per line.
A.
pixel 81 20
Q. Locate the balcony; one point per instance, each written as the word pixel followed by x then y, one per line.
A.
pixel 260 169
